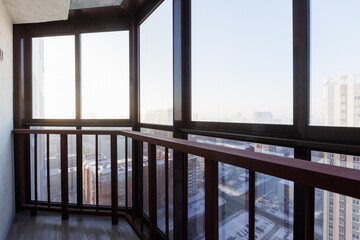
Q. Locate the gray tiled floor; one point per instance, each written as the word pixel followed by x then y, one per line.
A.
pixel 50 226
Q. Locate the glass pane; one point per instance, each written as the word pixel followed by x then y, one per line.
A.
pixel 336 216
pixel 104 170
pixel 233 205
pixel 53 77
pixel 242 61
pixel 105 75
pixel 274 206
pixel 274 196
pixel 54 166
pixel 160 179
pixel 156 66
pixel 335 65
pixel 196 197
pixel 72 173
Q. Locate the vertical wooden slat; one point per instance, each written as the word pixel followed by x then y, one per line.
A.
pixel 48 167
pixel 114 180
pixel 180 195
pixel 152 191
pixel 251 204
pixel 211 200
pixel 64 177
pixel 126 175
pixel 133 178
pixel 309 212
pixel 33 211
pixel 27 168
pixel 300 202
pixel 19 155
pixel 167 193
pixel 79 171
pixel 141 189
pixel 97 171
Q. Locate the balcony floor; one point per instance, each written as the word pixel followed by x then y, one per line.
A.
pixel 50 226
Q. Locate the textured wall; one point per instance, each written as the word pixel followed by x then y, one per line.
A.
pixel 7 201
pixel 33 11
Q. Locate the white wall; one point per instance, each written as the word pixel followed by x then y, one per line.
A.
pixel 7 201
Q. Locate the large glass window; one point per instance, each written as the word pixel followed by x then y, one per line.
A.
pixel 105 75
pixel 156 66
pixel 336 214
pixel 335 65
pixel 274 197
pixel 53 77
pixel 242 56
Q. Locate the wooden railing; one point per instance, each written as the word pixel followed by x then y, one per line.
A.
pixel 313 175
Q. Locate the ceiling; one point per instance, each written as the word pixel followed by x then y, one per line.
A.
pixel 38 11
pixel 34 11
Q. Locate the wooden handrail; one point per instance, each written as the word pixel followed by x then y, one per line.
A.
pixel 328 177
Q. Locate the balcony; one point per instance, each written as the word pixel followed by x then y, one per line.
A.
pixel 180 119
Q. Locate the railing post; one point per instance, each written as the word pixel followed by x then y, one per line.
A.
pixel 303 204
pixel 114 180
pixel 134 158
pixel 48 168
pixel 152 191
pixel 64 177
pixel 167 193
pixel 140 183
pixel 251 204
pixel 211 200
pixel 126 178
pixel 19 155
pixel 180 194
pixel 182 111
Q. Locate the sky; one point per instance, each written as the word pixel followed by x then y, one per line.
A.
pixel 335 46
pixel 104 76
pixel 156 58
pixel 242 60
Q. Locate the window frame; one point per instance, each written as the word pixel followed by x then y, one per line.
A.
pixel 74 29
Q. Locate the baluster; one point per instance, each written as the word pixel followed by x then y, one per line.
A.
pixel 211 200
pixel 64 177
pixel 114 180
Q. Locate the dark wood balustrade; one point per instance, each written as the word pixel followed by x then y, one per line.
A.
pixel 313 175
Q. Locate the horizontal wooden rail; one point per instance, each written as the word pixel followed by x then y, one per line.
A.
pixel 328 177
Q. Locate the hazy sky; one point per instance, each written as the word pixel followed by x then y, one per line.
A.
pixel 241 59
pixel 335 45
pixel 105 76
pixel 156 57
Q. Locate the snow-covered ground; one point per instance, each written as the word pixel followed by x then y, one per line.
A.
pixel 282 234
pixel 236 227
pixel 197 204
pixel 239 191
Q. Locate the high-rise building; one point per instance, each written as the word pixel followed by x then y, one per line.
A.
pixel 341 108
pixel 342 101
